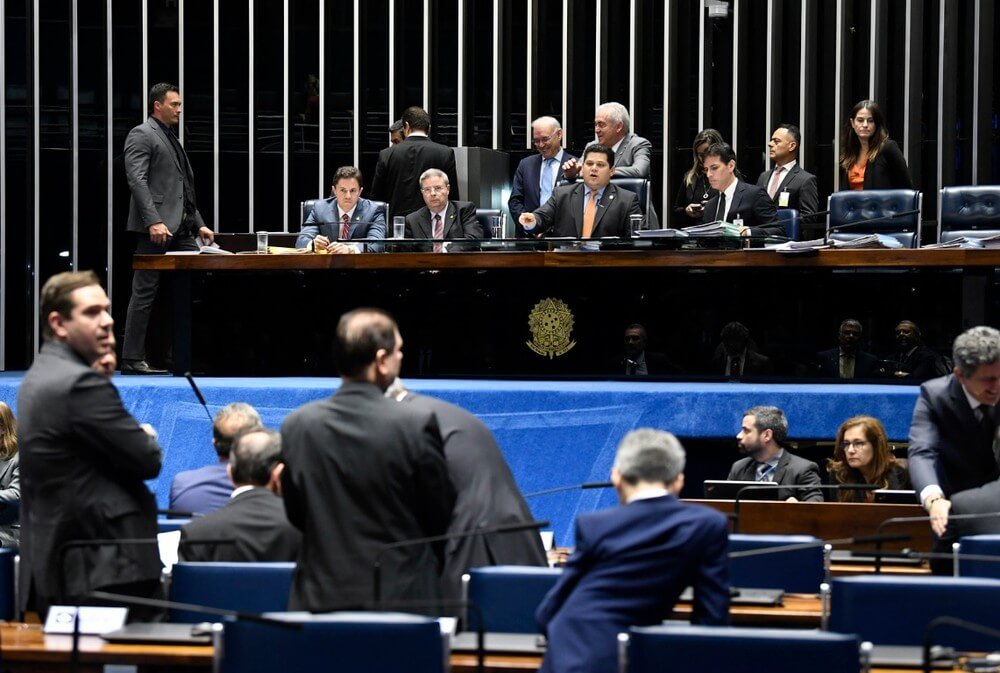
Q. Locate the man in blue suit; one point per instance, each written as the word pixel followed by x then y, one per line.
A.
pixel 536 176
pixel 632 562
pixel 342 217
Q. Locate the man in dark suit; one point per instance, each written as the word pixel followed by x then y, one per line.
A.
pixel 399 167
pixel 632 562
pixel 208 488
pixel 735 356
pixel 487 495
pixel 788 185
pixel 847 361
pixel 737 200
pixel 593 209
pixel 84 460
pixel 762 436
pixel 637 361
pixel 363 472
pixel 912 359
pixel 252 526
pixel 163 212
pixel 441 218
pixel 345 215
pixel 954 425
pixel 536 176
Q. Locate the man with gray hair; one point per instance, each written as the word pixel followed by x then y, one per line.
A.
pixel 632 562
pixel 536 176
pixel 954 424
pixel 762 437
pixel 252 526
pixel 208 488
pixel 440 218
pixel 848 360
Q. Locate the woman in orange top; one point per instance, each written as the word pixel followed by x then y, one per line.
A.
pixel 868 157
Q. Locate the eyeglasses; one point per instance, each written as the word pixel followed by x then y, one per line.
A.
pixel 857 444
pixel 433 190
pixel 543 141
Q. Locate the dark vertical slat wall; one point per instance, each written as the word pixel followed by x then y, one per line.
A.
pixel 941 105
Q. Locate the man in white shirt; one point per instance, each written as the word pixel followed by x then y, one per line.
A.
pixel 737 200
pixel 441 218
pixel 342 217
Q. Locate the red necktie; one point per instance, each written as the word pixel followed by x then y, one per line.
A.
pixel 775 181
pixel 345 228
pixel 438 232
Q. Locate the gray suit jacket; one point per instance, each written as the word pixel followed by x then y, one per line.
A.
pixel 633 160
pixel 562 215
pixel 368 221
pixel 791 470
pixel 156 180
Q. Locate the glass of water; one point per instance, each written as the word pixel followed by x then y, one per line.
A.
pixel 261 242
pixel 398 226
pixel 496 226
pixel 635 224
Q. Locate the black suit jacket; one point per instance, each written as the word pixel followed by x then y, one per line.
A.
pixel 362 472
pixel 755 364
pixel 254 520
pixel 791 470
pixel 800 185
pixel 563 214
pixel 397 173
pixel 982 500
pixel 459 222
pixel 487 496
pixel 752 204
pixel 84 461
pixel 888 171
pixel 865 364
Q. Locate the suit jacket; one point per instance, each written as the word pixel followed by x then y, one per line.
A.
pixel 888 171
pixel 632 160
pixel 791 470
pixel 754 364
pixel 362 472
pixel 397 173
pixel 487 496
pixel 920 364
pixel 947 444
pixel 752 204
pixel 255 520
pixel 563 214
pixel 981 500
pixel 368 222
pixel 201 491
pixel 800 185
pixel 84 460
pixel 630 565
pixel 897 479
pixel 156 180
pixel 865 364
pixel 10 501
pixel 525 194
pixel 459 222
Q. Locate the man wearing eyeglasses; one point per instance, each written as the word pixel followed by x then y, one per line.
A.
pixel 536 176
pixel 440 218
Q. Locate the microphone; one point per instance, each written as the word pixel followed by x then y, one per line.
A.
pixel 858 539
pixel 176 514
pixel 770 485
pixel 201 398
pixel 559 489
pixel 444 537
pixel 855 223
pixel 946 620
pixel 915 519
pixel 192 607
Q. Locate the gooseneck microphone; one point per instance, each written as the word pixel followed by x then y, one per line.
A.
pixel 883 218
pixel 197 392
pixel 559 489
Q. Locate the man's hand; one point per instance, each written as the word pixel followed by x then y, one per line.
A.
pixel 791 498
pixel 571 169
pixel 527 220
pixel 694 210
pixel 939 515
pixel 337 248
pixel 321 243
pixel 206 235
pixel 159 234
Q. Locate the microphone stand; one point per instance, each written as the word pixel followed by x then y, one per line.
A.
pixel 915 519
pixel 956 622
pixel 197 392
pixel 560 489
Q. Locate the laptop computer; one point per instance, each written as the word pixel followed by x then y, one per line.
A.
pixel 173 634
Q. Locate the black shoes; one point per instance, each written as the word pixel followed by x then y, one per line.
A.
pixel 140 367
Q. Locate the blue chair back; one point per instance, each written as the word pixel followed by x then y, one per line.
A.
pixel 7 606
pixel 970 211
pixel 895 610
pixel 695 649
pixel 483 216
pixel 507 596
pixel 246 587
pixel 800 571
pixel 305 210
pixel 790 220
pixel 981 545
pixel 170 525
pixel 850 206
pixel 359 642
pixel 639 186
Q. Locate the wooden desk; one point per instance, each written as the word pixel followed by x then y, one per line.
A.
pixel 798 611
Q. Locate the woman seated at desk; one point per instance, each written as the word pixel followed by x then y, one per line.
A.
pixel 10 480
pixel 862 456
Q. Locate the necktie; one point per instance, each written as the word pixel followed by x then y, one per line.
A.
pixel 775 181
pixel 345 228
pixel 986 422
pixel 734 368
pixel 438 232
pixel 547 181
pixel 589 211
pixel 846 366
pixel 720 214
pixel 764 472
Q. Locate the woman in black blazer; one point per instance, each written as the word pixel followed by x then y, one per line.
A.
pixel 862 456
pixel 868 158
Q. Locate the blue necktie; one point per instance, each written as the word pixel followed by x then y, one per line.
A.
pixel 547 181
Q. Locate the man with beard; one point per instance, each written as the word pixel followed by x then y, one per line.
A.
pixel 761 437
pixel 912 359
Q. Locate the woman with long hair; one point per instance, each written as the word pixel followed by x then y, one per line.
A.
pixel 862 456
pixel 870 159
pixel 10 479
pixel 694 189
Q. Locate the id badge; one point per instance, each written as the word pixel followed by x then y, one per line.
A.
pixel 783 198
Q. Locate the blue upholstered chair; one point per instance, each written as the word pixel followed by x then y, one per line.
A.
pixel 358 642
pixel 639 186
pixel 799 571
pixel 790 220
pixel 695 649
pixel 980 545
pixel 483 216
pixel 246 587
pixel 972 212
pixel 895 610
pixel 849 207
pixel 507 596
pixel 7 606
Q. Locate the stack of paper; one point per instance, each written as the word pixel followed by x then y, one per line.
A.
pixel 713 229
pixel 869 241
pixel 661 233
pixel 960 242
